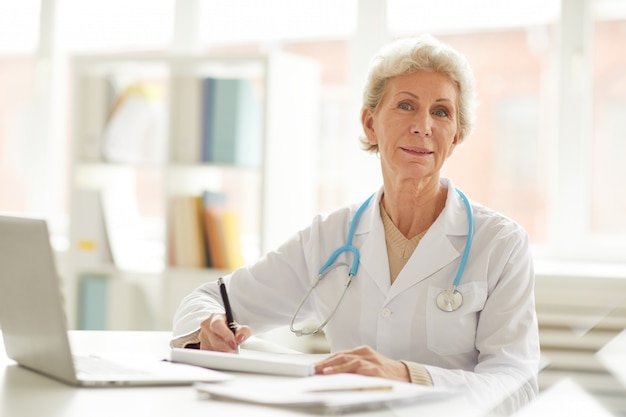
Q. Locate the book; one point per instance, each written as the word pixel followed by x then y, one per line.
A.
pixel 214 238
pixel 206 119
pixel 92 302
pixel 248 361
pixel 222 232
pixel 186 241
pixel 230 235
pixel 109 303
pixel 186 121
pixel 231 122
pixel 214 251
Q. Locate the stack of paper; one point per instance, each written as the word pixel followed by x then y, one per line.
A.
pixel 326 393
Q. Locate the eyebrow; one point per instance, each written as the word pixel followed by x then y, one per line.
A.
pixel 417 97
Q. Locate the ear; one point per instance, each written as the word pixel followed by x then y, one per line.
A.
pixel 367 122
pixel 455 141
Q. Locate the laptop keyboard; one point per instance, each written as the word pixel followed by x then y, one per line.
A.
pixel 93 365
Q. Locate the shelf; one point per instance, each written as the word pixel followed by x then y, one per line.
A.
pixel 137 148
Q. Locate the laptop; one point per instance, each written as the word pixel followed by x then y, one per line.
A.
pixel 34 324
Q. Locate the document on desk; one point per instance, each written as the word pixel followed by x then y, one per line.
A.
pixel 249 361
pixel 326 393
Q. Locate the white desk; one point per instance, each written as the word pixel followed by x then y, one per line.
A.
pixel 27 394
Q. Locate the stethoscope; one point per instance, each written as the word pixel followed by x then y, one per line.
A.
pixel 447 300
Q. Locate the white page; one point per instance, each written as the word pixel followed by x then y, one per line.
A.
pixel 348 392
pixel 249 361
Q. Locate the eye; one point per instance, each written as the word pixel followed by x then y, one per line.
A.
pixel 405 106
pixel 441 113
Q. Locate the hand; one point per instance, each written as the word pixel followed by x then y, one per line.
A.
pixel 216 335
pixel 365 361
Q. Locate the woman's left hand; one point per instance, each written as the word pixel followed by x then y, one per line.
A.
pixel 365 361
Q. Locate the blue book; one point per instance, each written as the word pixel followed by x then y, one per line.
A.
pixel 235 124
pixel 225 117
pixel 207 120
pixel 248 141
pixel 92 303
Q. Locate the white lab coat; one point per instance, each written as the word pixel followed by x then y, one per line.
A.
pixel 490 343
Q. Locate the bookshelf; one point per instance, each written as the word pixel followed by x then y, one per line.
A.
pixel 151 130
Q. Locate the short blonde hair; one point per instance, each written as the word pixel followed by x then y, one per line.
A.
pixel 423 53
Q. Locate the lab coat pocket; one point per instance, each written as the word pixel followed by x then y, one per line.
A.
pixel 454 332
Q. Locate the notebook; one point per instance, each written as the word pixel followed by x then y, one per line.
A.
pixel 250 361
pixel 34 326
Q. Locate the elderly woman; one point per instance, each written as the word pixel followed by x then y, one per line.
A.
pixel 442 292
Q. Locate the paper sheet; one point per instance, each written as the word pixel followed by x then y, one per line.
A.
pixel 349 392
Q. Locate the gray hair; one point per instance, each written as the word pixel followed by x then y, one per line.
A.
pixel 423 53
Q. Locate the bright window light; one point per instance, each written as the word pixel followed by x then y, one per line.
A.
pixel 409 16
pixel 115 24
pixel 240 21
pixel 19 26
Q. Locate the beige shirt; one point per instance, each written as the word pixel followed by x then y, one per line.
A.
pixel 399 250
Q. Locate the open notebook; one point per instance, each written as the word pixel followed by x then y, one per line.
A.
pixel 34 325
pixel 248 360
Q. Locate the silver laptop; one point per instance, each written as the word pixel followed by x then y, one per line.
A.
pixel 34 326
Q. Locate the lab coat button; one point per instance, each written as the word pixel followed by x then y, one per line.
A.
pixel 385 312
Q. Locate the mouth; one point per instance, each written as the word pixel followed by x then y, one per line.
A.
pixel 417 150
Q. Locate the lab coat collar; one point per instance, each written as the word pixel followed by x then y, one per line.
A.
pixel 434 252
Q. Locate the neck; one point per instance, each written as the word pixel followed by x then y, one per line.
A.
pixel 414 207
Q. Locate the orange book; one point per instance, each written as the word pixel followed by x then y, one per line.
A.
pixel 223 234
pixel 231 236
pixel 212 228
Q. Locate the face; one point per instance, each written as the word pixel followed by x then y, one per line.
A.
pixel 415 125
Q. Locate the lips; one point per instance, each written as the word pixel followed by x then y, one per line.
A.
pixel 417 150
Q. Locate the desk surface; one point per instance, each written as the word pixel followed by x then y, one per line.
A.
pixel 25 393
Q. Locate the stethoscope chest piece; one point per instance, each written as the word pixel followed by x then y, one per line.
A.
pixel 449 300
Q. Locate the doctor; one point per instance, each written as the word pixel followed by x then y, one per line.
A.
pixel 404 315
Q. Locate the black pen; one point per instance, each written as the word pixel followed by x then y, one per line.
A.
pixel 229 312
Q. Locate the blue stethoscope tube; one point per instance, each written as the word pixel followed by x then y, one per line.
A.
pixel 349 247
pixel 448 300
pixel 470 237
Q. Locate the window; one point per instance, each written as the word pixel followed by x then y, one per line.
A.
pixel 19 21
pixel 608 206
pixel 505 162
pixel 20 30
pixel 35 149
pixel 115 25
pixel 516 161
pixel 276 21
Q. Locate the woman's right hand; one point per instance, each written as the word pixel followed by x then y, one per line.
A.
pixel 216 335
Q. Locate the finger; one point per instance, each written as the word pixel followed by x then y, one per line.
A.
pixel 242 334
pixel 331 363
pixel 336 367
pixel 216 335
pixel 343 356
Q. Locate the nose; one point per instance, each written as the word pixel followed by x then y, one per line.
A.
pixel 422 124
